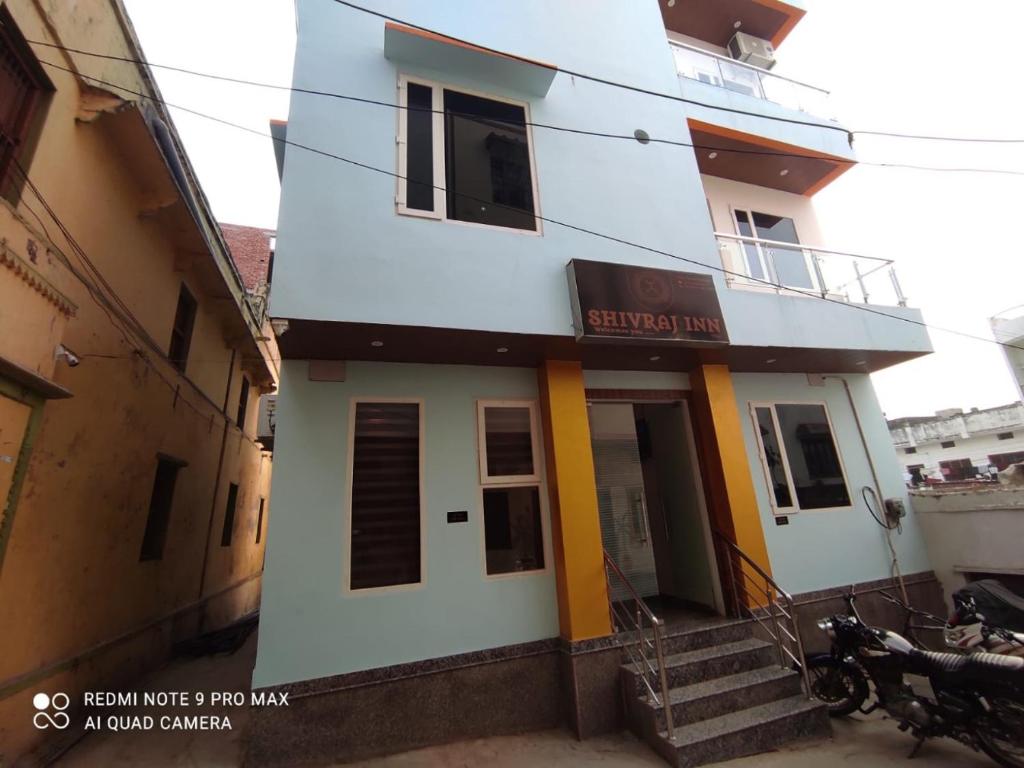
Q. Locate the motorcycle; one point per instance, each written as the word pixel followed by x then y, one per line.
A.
pixel 987 617
pixel 978 698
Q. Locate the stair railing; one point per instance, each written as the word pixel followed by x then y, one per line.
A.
pixel 756 595
pixel 642 635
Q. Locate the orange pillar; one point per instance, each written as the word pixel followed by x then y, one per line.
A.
pixel 575 525
pixel 730 488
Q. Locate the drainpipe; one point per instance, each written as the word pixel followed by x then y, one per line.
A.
pixel 877 486
pixel 216 486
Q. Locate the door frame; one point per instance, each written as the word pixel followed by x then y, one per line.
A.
pixel 681 397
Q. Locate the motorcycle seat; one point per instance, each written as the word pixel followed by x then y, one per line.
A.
pixel 988 662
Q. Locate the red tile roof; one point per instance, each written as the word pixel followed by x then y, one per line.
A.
pixel 250 250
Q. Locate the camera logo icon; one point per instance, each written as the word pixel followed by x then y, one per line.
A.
pixel 43 718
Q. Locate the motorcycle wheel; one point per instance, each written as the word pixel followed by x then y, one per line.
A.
pixel 1000 733
pixel 841 686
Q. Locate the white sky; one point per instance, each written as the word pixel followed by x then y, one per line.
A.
pixel 918 66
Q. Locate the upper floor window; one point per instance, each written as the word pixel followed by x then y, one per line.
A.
pixel 464 157
pixel 800 456
pixel 181 333
pixel 243 403
pixel 767 257
pixel 23 91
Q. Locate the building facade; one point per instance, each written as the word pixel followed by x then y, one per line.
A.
pixel 1008 329
pixel 134 495
pixel 512 348
pixel 954 446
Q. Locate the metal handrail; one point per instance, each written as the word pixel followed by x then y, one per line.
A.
pixel 799 247
pixel 643 664
pixel 820 262
pixel 745 65
pixel 775 607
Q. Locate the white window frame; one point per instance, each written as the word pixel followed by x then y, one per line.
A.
pixel 795 508
pixel 440 212
pixel 485 478
pixel 346 576
pixel 535 480
pixel 766 267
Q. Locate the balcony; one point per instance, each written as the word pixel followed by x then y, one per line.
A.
pixel 710 68
pixel 1008 325
pixel 799 270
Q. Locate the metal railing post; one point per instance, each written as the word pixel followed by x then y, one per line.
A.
pixel 860 282
pixel 816 263
pixel 799 646
pixel 775 622
pixel 651 676
pixel 900 298
pixel 666 702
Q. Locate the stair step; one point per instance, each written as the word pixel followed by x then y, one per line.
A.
pixel 745 732
pixel 682 638
pixel 723 695
pixel 707 663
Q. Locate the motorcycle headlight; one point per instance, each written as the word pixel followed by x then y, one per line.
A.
pixel 826 626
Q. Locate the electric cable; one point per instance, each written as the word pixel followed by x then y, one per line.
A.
pixel 567 225
pixel 645 91
pixel 122 325
pixel 849 162
pixel 894 569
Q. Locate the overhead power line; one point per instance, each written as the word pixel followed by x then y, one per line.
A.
pixel 648 92
pixel 538 217
pixel 544 126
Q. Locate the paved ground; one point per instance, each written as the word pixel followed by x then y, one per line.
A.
pixel 866 743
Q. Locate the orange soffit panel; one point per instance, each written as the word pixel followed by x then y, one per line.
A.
pixel 793 16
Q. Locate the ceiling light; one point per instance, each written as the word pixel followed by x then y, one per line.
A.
pixel 671 3
pixel 655 358
pixel 376 343
pixel 770 360
pixel 861 362
pixel 502 349
pixel 737 24
pixel 712 155
pixel 784 172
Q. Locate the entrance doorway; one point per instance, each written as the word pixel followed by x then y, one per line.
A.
pixel 654 523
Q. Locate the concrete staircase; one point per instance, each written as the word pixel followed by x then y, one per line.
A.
pixel 729 697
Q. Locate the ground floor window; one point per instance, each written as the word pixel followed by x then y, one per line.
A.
pixel 385 515
pixel 510 477
pixel 802 463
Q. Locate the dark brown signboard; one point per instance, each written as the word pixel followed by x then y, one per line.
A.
pixel 617 302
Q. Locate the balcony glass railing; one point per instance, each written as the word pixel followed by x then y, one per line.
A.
pixel 710 68
pixel 770 265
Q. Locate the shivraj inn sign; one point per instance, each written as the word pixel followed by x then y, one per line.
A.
pixel 618 302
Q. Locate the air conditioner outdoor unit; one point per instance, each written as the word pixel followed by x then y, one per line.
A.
pixel 752 50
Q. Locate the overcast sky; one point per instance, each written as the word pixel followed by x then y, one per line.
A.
pixel 917 66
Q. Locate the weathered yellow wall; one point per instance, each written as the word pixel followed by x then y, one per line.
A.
pixel 70 579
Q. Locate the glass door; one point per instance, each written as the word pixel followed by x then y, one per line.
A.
pixel 775 263
pixel 622 505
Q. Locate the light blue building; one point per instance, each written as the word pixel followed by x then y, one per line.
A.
pixel 562 337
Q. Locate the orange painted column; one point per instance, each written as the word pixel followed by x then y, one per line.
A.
pixel 572 486
pixel 730 487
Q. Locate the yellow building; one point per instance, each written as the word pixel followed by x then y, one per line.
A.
pixel 133 492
